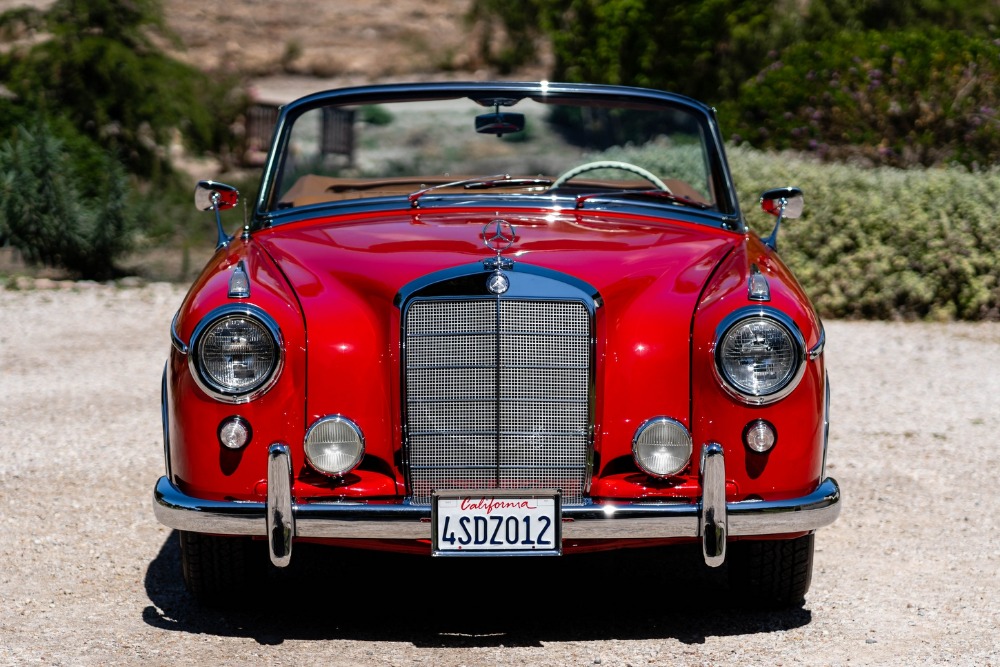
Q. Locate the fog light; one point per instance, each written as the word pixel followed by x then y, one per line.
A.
pixel 334 445
pixel 662 447
pixel 759 436
pixel 234 432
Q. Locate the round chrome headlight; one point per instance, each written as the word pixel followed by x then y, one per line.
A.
pixel 661 447
pixel 236 353
pixel 759 355
pixel 334 445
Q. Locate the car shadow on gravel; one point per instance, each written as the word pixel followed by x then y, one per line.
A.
pixel 329 593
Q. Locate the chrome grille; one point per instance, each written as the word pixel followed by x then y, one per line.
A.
pixel 497 395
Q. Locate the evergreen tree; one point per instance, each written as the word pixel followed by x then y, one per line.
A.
pixel 44 216
pixel 100 71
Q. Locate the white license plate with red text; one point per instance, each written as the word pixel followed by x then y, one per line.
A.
pixel 493 523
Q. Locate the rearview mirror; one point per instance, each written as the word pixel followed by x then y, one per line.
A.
pixel 499 123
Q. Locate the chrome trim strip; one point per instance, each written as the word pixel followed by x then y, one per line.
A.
pixel 165 419
pixel 280 516
pixel 175 338
pixel 712 526
pixel 820 345
pixel 620 520
pixel 826 422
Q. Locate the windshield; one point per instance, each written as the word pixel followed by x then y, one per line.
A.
pixel 489 146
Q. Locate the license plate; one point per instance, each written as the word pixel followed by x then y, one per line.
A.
pixel 495 523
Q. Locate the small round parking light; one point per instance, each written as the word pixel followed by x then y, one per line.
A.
pixel 759 436
pixel 234 432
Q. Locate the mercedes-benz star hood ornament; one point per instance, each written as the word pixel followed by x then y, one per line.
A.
pixel 498 236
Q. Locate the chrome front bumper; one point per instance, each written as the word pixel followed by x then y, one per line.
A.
pixel 712 519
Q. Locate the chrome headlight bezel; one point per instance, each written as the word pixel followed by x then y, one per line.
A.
pixel 211 384
pixel 762 394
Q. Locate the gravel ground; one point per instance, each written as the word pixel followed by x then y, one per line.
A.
pixel 907 576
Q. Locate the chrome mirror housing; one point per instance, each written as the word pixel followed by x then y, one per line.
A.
pixel 215 196
pixel 783 203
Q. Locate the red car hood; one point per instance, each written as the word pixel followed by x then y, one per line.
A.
pixel 650 276
pixel 622 257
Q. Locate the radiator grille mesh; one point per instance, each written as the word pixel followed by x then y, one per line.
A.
pixel 497 395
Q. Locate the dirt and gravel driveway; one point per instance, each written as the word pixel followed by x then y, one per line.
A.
pixel 907 576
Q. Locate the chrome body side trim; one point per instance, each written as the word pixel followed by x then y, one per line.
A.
pixel 817 349
pixel 370 520
pixel 175 338
pixel 165 419
pixel 826 421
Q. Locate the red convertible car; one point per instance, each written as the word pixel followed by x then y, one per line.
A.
pixel 497 320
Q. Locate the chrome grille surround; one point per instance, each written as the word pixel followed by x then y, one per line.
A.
pixel 498 394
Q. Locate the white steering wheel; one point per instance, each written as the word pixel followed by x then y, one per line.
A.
pixel 610 164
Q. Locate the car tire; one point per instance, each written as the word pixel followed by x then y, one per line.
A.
pixel 772 573
pixel 217 569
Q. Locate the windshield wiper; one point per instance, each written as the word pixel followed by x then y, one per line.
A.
pixel 479 183
pixel 507 181
pixel 656 194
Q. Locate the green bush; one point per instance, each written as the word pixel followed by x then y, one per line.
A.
pixel 884 243
pixel 56 216
pixel 703 49
pixel 374 114
pixel 921 90
pixel 926 97
pixel 96 68
pixel 99 99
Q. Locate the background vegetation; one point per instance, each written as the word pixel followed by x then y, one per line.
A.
pixel 883 111
pixel 884 243
pixel 91 115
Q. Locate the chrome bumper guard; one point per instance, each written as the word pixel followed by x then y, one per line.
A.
pixel 712 520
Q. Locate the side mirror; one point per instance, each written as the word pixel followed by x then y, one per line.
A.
pixel 214 196
pixel 783 203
